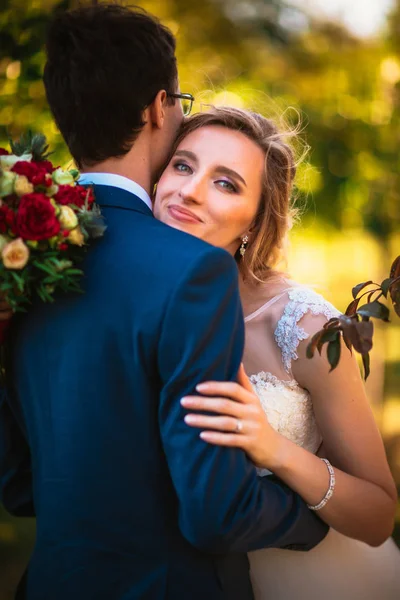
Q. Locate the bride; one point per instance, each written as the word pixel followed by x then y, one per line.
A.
pixel 229 182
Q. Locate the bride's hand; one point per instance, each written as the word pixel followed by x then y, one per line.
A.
pixel 239 422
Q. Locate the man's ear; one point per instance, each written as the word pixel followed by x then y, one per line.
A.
pixel 156 110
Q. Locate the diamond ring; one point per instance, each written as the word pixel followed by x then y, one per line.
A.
pixel 239 426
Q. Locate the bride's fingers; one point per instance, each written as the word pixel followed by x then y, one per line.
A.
pixel 223 406
pixel 228 424
pixel 229 389
pixel 224 439
pixel 243 380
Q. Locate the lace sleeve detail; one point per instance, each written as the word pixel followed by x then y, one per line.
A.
pixel 288 334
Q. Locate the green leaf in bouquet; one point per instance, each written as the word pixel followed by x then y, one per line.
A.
pixel 30 143
pixel 333 352
pixel 357 289
pixel 50 279
pixel 73 272
pixel 19 280
pixel 374 309
pixel 44 293
pixel 92 222
pixel 46 268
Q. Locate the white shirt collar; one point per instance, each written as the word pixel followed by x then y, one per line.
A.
pixel 118 181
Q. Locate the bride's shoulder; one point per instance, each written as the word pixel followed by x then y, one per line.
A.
pixel 305 311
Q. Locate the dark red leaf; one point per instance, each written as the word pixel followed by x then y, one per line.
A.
pixel 352 307
pixel 357 288
pixel 347 340
pixel 358 333
pixel 333 352
pixel 395 268
pixel 366 364
pixel 329 335
pixel 385 285
pixel 394 292
pixel 374 309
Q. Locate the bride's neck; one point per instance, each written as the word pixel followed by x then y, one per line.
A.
pixel 254 294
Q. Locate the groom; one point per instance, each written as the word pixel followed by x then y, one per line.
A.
pixel 130 503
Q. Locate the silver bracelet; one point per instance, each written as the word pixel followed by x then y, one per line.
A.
pixel 329 493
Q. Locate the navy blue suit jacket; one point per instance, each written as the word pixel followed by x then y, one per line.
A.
pixel 130 503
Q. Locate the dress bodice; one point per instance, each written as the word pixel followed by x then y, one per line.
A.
pixel 287 405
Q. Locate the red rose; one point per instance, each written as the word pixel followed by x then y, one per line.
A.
pixel 36 218
pixel 7 219
pixel 4 152
pixel 35 172
pixel 45 165
pixel 76 195
pixel 3 218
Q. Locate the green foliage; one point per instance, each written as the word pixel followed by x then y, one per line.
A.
pixel 28 142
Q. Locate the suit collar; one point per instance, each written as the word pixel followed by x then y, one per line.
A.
pixel 111 196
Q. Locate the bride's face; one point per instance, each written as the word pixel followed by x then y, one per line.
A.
pixel 212 186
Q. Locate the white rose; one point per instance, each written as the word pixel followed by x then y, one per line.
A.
pixel 7 179
pixel 8 160
pixel 62 177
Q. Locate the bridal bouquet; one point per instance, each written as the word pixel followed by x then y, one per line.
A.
pixel 46 222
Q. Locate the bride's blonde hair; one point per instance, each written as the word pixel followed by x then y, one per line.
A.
pixel 276 213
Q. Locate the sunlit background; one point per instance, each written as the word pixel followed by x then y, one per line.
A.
pixel 335 66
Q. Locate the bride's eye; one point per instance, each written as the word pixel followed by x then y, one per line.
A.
pixel 227 185
pixel 181 167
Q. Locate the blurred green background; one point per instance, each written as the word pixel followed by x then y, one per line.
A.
pixel 288 60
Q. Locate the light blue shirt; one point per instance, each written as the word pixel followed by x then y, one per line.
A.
pixel 118 181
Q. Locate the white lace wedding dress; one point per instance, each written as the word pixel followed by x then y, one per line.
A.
pixel 339 568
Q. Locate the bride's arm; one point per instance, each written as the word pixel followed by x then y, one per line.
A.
pixel 364 500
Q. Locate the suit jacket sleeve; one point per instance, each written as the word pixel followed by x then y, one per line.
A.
pixel 223 505
pixel 15 464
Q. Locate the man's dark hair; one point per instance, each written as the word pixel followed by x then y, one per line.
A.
pixel 105 64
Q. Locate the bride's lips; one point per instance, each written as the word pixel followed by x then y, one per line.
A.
pixel 183 214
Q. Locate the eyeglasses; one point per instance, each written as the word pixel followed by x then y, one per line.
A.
pixel 186 102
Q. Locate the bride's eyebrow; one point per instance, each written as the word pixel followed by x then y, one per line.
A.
pixel 186 154
pixel 220 168
pixel 231 173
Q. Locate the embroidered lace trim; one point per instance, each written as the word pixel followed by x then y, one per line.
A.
pixel 288 334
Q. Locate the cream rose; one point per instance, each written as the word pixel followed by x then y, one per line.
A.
pixel 68 218
pixel 76 237
pixel 22 186
pixel 15 254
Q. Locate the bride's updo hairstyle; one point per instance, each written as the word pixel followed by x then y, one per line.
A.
pixel 275 215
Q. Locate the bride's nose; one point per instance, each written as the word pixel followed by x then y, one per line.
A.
pixel 193 190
